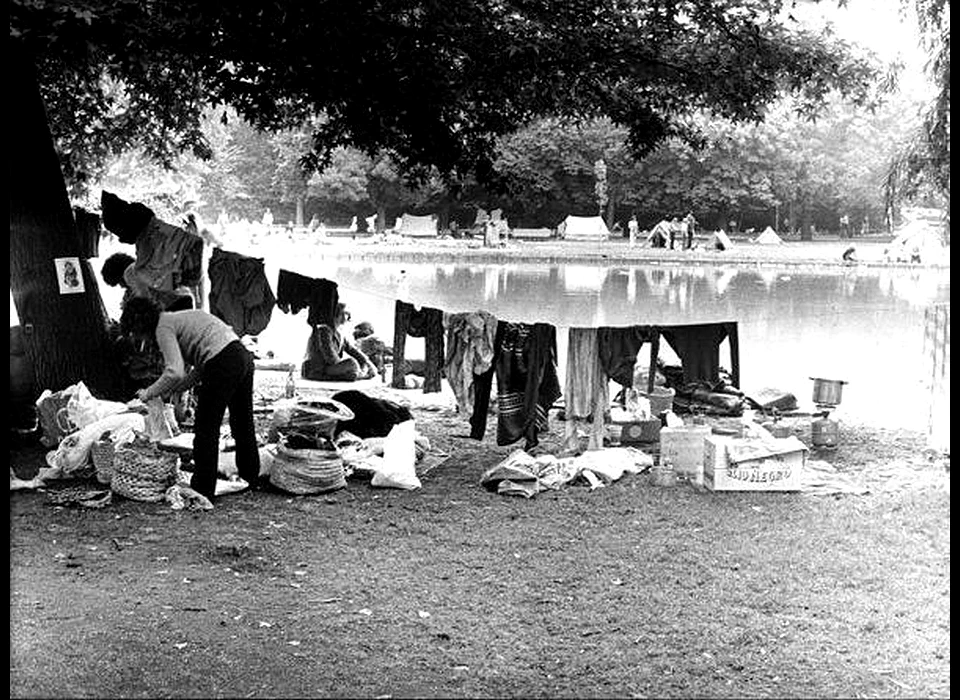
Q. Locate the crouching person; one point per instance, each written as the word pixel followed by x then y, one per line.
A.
pixel 222 370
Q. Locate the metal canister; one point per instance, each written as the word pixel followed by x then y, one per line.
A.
pixel 825 433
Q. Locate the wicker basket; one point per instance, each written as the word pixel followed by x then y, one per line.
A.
pixel 661 399
pixel 102 452
pixel 307 471
pixel 143 472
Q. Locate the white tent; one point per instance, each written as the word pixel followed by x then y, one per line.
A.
pixel 585 228
pixel 917 239
pixel 720 240
pixel 768 237
pixel 418 226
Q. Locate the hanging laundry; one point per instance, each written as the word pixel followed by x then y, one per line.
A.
pixel 427 323
pixel 527 383
pixel 296 292
pixel 698 347
pixel 618 348
pixel 239 292
pixel 167 256
pixel 482 385
pixel 586 388
pixel 470 338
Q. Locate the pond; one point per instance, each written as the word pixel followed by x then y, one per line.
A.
pixel 863 326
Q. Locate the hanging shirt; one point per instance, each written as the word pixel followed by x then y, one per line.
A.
pixel 470 339
pixel 617 348
pixel 239 292
pixel 296 292
pixel 586 388
pixel 698 347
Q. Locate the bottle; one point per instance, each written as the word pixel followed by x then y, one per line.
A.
pixel 291 388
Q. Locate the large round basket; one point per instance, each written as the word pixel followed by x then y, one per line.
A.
pixel 661 399
pixel 307 471
pixel 143 472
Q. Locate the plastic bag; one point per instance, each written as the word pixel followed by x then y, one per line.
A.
pixel 399 458
pixel 160 423
pixel 83 408
pixel 72 456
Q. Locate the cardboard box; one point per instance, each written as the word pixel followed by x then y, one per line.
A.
pixel 683 448
pixel 750 464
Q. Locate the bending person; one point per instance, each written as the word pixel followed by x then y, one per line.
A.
pixel 220 366
pixel 332 356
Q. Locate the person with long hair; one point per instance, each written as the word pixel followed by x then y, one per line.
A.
pixel 201 350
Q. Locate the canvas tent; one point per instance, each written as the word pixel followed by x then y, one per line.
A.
pixel 720 240
pixel 768 237
pixel 917 241
pixel 585 228
pixel 418 226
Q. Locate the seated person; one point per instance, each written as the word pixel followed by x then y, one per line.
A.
pixel 331 356
pixel 371 346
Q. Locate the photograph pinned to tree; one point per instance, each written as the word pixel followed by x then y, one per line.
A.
pixel 68 275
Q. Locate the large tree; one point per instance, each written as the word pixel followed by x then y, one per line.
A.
pixel 431 82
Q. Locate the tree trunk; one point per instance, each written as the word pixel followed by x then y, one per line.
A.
pixel 806 232
pixel 65 335
pixel 611 213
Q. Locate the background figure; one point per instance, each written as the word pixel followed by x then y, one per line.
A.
pixel 372 346
pixel 332 356
pixel 633 228
pixel 691 227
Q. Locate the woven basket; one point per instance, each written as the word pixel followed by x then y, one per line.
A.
pixel 305 472
pixel 143 472
pixel 102 452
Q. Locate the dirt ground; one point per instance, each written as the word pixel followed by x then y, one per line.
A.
pixel 630 590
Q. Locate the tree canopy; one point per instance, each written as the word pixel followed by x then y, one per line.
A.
pixel 433 83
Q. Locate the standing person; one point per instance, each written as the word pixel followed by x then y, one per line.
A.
pixel 844 226
pixel 332 356
pixel 633 228
pixel 674 230
pixel 691 223
pixel 220 366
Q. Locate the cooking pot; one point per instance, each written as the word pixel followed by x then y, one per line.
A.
pixel 827 392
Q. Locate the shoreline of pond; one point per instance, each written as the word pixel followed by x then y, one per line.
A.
pixel 817 256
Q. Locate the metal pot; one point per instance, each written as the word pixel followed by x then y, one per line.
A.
pixel 827 392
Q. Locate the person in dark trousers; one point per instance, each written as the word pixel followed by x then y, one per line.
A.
pixel 222 370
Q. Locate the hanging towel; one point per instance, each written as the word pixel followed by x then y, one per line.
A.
pixel 586 388
pixel 239 292
pixel 427 323
pixel 296 292
pixel 527 383
pixel 470 338
pixel 698 347
pixel 618 348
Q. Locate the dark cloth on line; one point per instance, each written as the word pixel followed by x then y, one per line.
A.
pixel 320 296
pixel 482 385
pixel 124 219
pixel 239 291
pixel 372 417
pixel 698 347
pixel 618 348
pixel 427 323
pixel 527 382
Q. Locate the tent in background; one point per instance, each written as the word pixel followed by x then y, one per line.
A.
pixel 768 237
pixel 417 226
pixel 584 228
pixel 720 240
